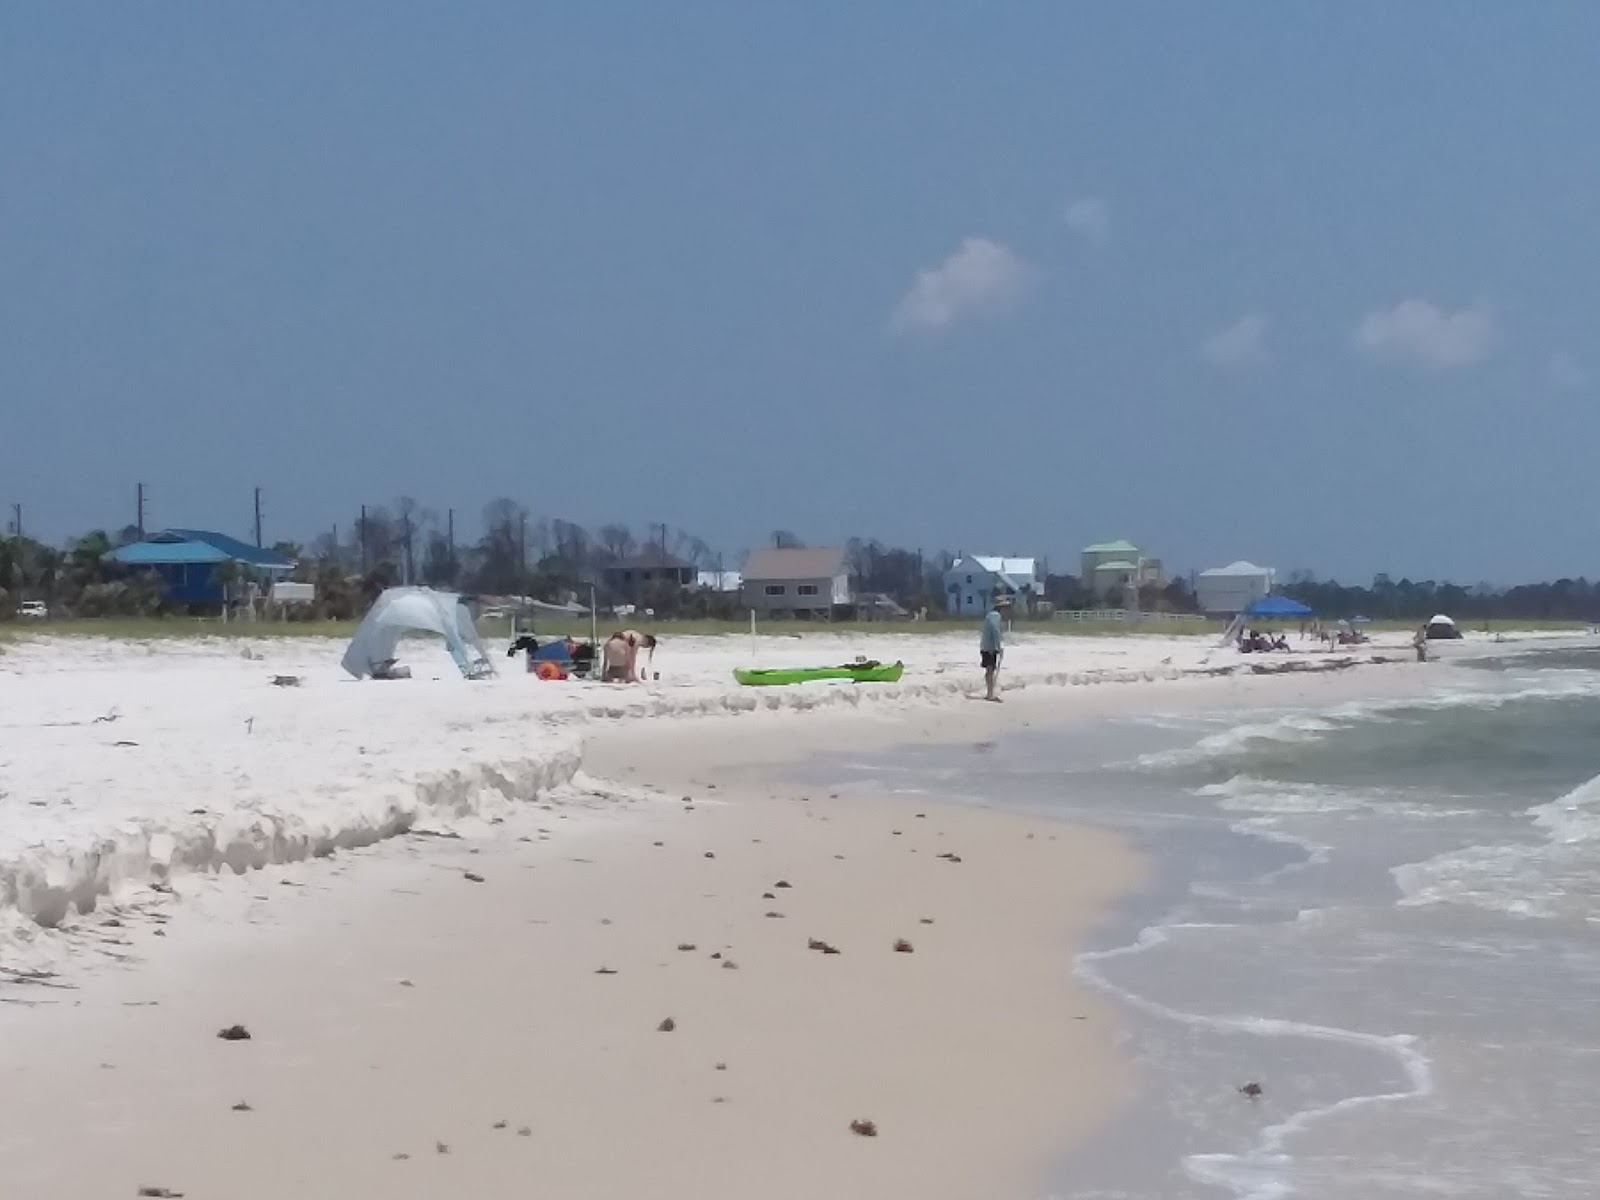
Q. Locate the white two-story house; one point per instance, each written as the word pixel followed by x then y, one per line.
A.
pixel 973 579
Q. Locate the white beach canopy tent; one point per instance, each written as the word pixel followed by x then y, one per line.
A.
pixel 402 610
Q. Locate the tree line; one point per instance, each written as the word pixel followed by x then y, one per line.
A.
pixel 1388 599
pixel 514 554
pixel 517 553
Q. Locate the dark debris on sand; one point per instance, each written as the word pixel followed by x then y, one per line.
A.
pixel 666 1026
pixel 234 1033
pixel 864 1128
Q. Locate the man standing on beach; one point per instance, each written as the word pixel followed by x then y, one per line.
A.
pixel 990 649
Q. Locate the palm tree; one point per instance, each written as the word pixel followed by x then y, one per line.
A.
pixel 226 576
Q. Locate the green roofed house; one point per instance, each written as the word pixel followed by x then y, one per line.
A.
pixel 1118 566
pixel 188 561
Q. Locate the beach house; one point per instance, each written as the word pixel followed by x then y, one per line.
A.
pixel 1228 591
pixel 192 564
pixel 1118 568
pixel 643 578
pixel 973 579
pixel 810 581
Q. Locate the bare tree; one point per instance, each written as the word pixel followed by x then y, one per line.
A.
pixel 616 540
pixel 408 528
pixel 377 537
pixel 571 543
pixel 700 554
pixel 500 553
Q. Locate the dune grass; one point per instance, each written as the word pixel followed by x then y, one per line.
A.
pixel 154 628
pixel 163 628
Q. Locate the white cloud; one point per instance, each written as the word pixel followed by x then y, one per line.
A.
pixel 1242 344
pixel 981 278
pixel 1424 335
pixel 1565 372
pixel 1090 219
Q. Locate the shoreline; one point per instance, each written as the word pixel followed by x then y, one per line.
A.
pixel 322 949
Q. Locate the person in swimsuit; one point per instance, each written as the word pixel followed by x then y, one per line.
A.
pixel 621 655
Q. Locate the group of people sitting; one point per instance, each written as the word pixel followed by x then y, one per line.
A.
pixel 1253 641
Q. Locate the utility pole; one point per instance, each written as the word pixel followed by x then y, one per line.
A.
pixel 19 572
pixel 522 555
pixel 406 579
pixel 141 512
pixel 258 518
pixel 363 537
pixel 450 543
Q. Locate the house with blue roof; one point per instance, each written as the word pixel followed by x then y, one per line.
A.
pixel 187 562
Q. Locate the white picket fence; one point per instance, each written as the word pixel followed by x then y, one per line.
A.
pixel 1122 614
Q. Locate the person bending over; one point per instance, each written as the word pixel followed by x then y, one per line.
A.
pixel 621 654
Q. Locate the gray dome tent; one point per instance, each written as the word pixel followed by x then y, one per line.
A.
pixel 1442 629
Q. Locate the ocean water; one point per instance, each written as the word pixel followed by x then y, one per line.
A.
pixel 1387 914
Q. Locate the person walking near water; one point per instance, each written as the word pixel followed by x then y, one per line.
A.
pixel 1420 643
pixel 990 648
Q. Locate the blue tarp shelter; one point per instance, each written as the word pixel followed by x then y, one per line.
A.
pixel 1277 606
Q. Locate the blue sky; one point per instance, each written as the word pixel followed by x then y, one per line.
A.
pixel 1312 285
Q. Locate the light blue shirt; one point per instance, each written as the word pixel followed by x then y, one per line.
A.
pixel 990 638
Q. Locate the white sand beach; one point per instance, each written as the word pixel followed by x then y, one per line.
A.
pixel 123 762
pixel 474 1007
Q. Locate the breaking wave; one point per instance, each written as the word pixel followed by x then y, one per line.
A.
pixel 1557 878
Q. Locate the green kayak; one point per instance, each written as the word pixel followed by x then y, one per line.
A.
pixel 862 672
